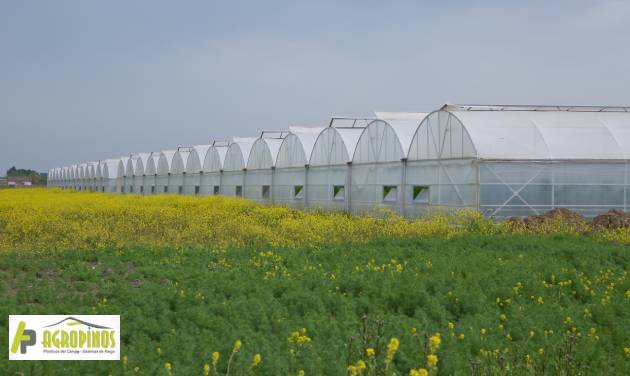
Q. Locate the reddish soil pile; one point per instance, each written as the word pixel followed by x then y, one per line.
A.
pixel 613 219
pixel 562 214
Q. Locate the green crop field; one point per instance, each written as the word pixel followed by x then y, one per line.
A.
pixel 368 297
pixel 503 295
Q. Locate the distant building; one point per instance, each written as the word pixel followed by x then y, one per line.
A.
pixel 19 181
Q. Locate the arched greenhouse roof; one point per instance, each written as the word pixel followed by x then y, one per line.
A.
pixel 140 163
pixel 215 157
pixel 165 161
pixel 297 147
pixel 92 169
pixel 152 162
pixel 129 167
pixel 74 172
pixel 524 133
pixel 123 162
pixel 195 158
pixel 335 146
pixel 264 152
pixel 388 137
pixel 238 153
pixel 180 159
pixel 112 169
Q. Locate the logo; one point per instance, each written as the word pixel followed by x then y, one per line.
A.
pixel 23 338
pixel 56 337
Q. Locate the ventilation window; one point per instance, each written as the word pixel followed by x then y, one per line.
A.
pixel 142 189
pixel 196 189
pixel 390 193
pixel 153 189
pixel 298 191
pixel 215 190
pixel 265 191
pixel 421 194
pixel 339 192
pixel 103 189
pixel 180 189
pixel 166 189
pixel 131 189
pixel 239 190
pixel 122 189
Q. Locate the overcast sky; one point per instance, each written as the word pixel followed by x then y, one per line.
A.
pixel 87 80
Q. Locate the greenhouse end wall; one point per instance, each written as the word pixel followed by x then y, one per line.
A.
pixel 509 189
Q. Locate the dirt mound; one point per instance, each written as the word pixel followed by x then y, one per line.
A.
pixel 559 214
pixel 613 219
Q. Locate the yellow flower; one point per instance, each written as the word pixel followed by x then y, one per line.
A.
pixel 301 373
pixel 483 331
pixel 434 342
pixel 237 345
pixel 461 336
pixel 206 369
pixel 361 365
pixel 215 358
pixel 414 331
pixel 256 360
pixel 451 326
pixel 392 347
pixel 352 370
pixel 503 317
pixel 423 372
pixel 369 352
pixel 432 360
pixel 168 366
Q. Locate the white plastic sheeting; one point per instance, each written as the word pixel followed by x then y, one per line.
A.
pixel 378 166
pixel 163 174
pixel 139 164
pixel 502 160
pixel 150 174
pixel 236 157
pixel 260 174
pixel 121 184
pixel 111 173
pixel 194 169
pixel 211 180
pixel 290 184
pixel 178 170
pixel 329 172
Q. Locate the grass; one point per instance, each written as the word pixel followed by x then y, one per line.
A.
pixel 179 305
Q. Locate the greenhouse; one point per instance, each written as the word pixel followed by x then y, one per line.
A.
pixel 233 176
pixel 378 163
pixel 109 175
pixel 129 174
pixel 194 169
pixel 329 166
pixel 260 174
pixel 521 160
pixel 121 182
pixel 178 170
pixel 213 167
pixel 501 160
pixel 150 174
pixel 138 172
pixel 290 185
pixel 163 172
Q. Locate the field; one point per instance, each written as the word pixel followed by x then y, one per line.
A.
pixel 273 291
